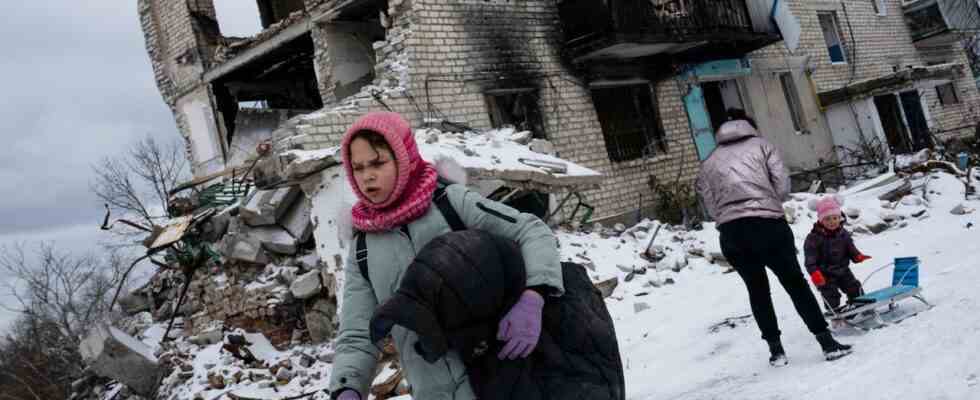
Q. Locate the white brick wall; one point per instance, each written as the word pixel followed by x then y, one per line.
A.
pixel 880 42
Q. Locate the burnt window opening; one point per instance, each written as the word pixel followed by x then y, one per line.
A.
pixel 272 11
pixel 517 108
pixel 947 94
pixel 630 121
pixel 284 79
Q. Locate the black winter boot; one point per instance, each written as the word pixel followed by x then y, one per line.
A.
pixel 777 356
pixel 832 350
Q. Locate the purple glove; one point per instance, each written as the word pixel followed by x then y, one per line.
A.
pixel 521 327
pixel 349 394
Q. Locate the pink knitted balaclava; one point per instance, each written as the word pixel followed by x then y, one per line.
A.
pixel 414 185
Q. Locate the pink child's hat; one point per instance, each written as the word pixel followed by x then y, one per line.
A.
pixel 828 206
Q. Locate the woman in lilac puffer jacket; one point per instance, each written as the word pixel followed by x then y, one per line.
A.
pixel 743 184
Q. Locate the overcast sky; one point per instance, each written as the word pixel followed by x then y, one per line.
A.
pixel 77 86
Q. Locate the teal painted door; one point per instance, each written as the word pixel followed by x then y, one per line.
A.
pixel 697 115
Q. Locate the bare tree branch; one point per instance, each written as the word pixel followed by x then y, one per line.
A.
pixel 137 182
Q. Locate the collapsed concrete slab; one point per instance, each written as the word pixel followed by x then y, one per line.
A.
pixel 300 164
pixel 113 354
pixel 297 220
pixel 273 238
pixel 242 247
pixel 266 207
pixel 292 166
pixel 493 155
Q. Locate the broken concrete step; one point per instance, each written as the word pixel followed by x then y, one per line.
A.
pixel 113 354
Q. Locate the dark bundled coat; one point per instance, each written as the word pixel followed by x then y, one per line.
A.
pixel 829 251
pixel 455 293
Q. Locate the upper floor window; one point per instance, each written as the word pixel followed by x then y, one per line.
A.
pixel 832 36
pixel 879 7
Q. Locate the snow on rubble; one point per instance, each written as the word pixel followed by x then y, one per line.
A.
pixel 683 319
pixel 504 154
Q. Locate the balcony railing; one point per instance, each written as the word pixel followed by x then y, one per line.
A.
pixel 652 21
pixel 939 22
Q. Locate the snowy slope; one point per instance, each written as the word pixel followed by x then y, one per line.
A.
pixel 669 352
pixel 665 313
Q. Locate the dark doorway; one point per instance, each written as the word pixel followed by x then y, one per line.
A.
pixel 891 120
pixel 715 103
pixel 916 118
pixel 719 96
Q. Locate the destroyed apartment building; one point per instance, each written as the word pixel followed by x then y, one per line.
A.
pixel 632 89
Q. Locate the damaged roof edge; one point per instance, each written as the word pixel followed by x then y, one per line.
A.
pixel 892 82
pixel 294 30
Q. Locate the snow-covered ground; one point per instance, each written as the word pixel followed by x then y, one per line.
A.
pixel 670 353
pixel 668 313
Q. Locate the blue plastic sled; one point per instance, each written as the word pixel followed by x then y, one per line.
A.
pixel 905 284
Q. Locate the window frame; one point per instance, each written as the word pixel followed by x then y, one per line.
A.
pixel 791 94
pixel 838 33
pixel 880 8
pixel 951 92
pixel 528 97
pixel 653 136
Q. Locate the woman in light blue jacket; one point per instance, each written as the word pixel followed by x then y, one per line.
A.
pixel 395 217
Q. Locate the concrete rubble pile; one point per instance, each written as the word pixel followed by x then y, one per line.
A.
pixel 263 276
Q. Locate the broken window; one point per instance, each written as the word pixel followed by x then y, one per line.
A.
pixel 516 107
pixel 237 18
pixel 272 11
pixel 630 121
pixel 352 60
pixel 832 36
pixel 879 7
pixel 792 100
pixel 947 94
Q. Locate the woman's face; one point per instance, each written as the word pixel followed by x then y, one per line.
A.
pixel 375 170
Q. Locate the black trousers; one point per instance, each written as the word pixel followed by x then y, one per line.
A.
pixel 751 244
pixel 840 280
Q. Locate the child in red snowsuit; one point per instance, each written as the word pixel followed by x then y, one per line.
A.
pixel 829 251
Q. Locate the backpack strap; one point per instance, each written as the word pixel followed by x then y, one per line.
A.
pixel 360 255
pixel 446 208
pixel 441 200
